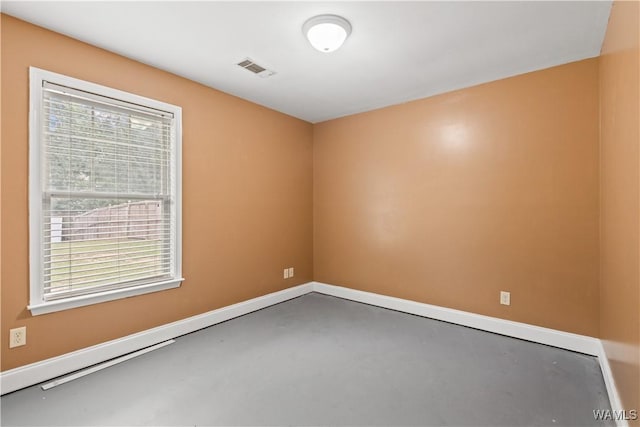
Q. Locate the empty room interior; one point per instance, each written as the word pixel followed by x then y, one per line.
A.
pixel 320 213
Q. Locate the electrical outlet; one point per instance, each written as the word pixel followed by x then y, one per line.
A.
pixel 290 271
pixel 505 298
pixel 285 273
pixel 17 337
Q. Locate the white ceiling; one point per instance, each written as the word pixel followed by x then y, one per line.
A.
pixel 398 51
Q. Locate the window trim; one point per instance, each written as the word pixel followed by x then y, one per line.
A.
pixel 37 304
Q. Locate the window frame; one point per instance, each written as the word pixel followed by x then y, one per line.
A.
pixel 37 163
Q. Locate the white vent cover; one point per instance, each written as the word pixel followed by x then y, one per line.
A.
pixel 259 70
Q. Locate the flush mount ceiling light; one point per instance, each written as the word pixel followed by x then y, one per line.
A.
pixel 326 32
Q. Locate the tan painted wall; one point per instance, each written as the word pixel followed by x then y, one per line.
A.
pixel 620 195
pixel 247 204
pixel 450 199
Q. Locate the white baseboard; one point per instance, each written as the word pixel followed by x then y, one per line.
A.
pixel 569 341
pixel 25 376
pixel 35 373
pixel 609 382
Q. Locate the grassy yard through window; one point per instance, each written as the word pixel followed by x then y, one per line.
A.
pixel 88 263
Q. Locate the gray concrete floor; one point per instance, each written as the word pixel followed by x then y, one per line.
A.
pixel 319 360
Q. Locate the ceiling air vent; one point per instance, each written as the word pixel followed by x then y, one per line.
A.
pixel 259 70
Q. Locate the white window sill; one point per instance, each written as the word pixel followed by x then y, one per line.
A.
pixel 82 300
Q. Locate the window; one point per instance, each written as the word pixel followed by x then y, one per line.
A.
pixel 104 184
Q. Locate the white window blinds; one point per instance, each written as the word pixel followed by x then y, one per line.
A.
pixel 108 190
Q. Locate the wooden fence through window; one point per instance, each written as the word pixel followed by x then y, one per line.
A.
pixel 134 220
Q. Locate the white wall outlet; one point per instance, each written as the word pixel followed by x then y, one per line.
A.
pixel 285 273
pixel 290 271
pixel 17 337
pixel 505 298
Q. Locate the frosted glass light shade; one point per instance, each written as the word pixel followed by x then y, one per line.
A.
pixel 326 33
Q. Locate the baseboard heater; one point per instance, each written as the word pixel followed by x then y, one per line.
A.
pixel 104 365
